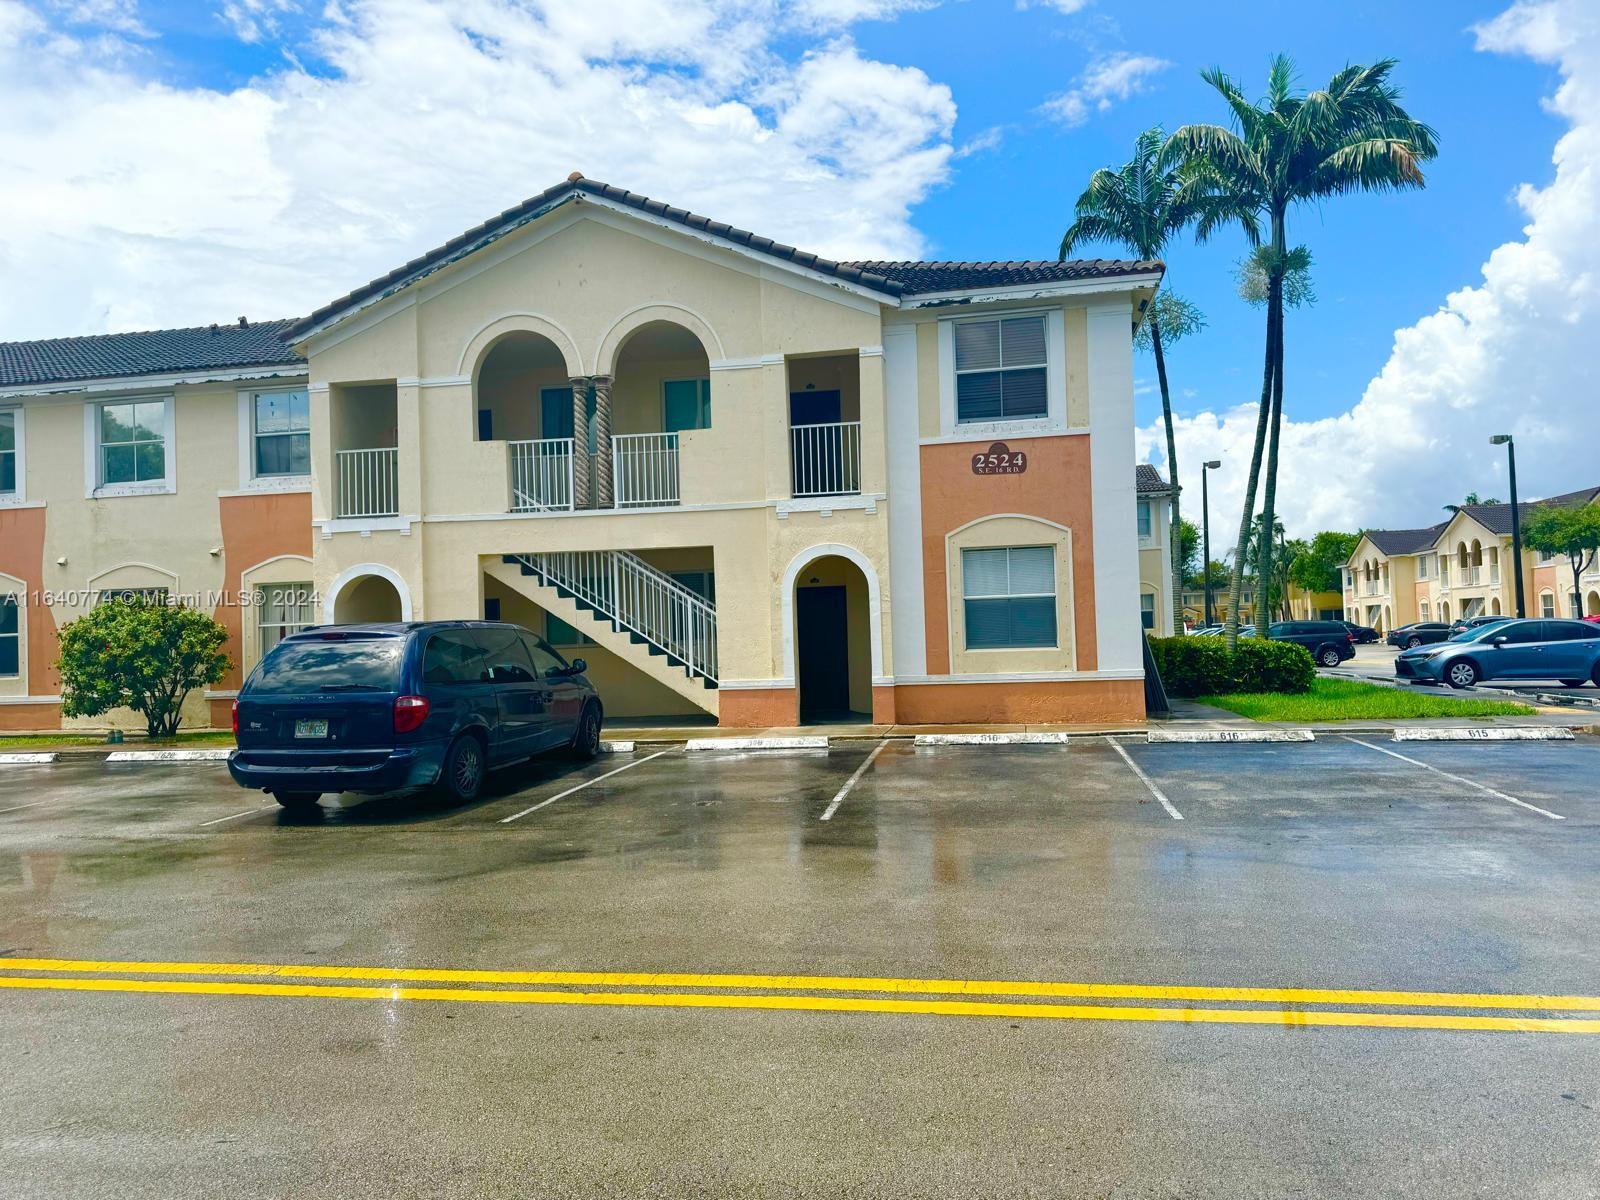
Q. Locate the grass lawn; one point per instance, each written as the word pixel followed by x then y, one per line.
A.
pixel 33 741
pixel 1348 700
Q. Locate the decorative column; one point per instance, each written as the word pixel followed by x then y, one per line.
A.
pixel 580 442
pixel 604 476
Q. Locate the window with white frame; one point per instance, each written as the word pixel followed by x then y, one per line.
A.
pixel 131 443
pixel 1009 597
pixel 9 475
pixel 144 595
pixel 1547 604
pixel 1146 522
pixel 1422 565
pixel 280 430
pixel 283 608
pixel 1422 610
pixel 10 638
pixel 1001 372
pixel 1147 609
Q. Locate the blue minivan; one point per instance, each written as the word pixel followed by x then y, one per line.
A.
pixel 381 708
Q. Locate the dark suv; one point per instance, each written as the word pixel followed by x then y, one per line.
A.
pixel 379 708
pixel 1329 642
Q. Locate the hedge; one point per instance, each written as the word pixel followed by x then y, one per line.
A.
pixel 1202 666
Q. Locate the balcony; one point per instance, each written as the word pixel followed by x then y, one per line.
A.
pixel 645 470
pixel 367 483
pixel 825 459
pixel 541 475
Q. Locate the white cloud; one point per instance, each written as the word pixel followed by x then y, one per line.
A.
pixel 1105 81
pixel 990 139
pixel 132 203
pixel 254 20
pixel 1515 353
pixel 1062 6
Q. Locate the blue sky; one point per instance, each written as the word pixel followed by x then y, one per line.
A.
pixel 171 162
pixel 1381 262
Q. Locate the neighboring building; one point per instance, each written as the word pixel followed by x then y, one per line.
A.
pixel 1194 605
pixel 1463 567
pixel 1315 606
pixel 737 478
pixel 1154 520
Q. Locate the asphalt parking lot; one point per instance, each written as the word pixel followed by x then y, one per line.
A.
pixel 1095 969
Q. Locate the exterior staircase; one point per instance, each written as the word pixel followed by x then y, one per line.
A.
pixel 630 608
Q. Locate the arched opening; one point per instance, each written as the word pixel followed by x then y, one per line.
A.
pixel 1444 610
pixel 1591 606
pixel 368 599
pixel 1494 607
pixel 522 395
pixel 833 641
pixel 660 389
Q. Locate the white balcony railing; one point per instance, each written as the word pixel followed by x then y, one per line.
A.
pixel 368 483
pixel 1471 576
pixel 645 469
pixel 826 459
pixel 541 475
pixel 1494 572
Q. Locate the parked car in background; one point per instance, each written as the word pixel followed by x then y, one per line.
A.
pixel 1420 633
pixel 1461 624
pixel 1361 635
pixel 1329 642
pixel 1595 617
pixel 1566 651
pixel 380 708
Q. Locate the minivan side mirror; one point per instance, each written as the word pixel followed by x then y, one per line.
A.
pixel 579 666
pixel 1499 640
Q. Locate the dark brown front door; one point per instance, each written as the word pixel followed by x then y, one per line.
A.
pixel 822 652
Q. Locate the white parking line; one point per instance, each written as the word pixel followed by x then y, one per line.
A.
pixel 20 807
pixel 838 799
pixel 1417 762
pixel 237 815
pixel 1145 779
pixel 588 783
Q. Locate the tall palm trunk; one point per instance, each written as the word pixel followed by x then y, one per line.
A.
pixel 1263 415
pixel 1270 496
pixel 1175 530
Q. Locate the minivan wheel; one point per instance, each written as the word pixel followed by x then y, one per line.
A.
pixel 1461 674
pixel 461 776
pixel 1413 643
pixel 1328 656
pixel 586 738
pixel 1573 682
pixel 297 801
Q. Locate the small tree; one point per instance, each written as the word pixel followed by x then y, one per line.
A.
pixel 1574 532
pixel 1317 567
pixel 142 654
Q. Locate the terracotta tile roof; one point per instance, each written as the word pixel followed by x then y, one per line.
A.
pixel 1148 479
pixel 153 352
pixel 894 279
pixel 917 278
pixel 1496 518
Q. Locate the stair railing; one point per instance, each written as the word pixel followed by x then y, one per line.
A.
pixel 639 599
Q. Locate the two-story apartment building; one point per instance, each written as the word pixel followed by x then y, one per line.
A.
pixel 739 479
pixel 1463 567
pixel 1154 522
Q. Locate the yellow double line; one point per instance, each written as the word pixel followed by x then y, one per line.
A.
pixel 815 993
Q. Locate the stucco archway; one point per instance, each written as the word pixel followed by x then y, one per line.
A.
pixel 610 347
pixel 367 592
pixel 874 603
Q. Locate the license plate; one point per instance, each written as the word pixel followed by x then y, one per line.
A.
pixel 311 729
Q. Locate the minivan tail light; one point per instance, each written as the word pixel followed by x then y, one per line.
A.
pixel 409 713
pixel 236 717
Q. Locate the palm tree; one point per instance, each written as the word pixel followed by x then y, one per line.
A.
pixel 1293 147
pixel 1142 206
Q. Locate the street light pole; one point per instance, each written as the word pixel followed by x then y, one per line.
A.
pixel 1205 536
pixel 1504 439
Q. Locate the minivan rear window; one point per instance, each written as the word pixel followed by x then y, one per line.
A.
pixel 332 665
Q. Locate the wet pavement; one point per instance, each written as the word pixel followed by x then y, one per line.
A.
pixel 1457 868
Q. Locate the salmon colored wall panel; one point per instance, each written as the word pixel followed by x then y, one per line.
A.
pixel 1056 486
pixel 22 557
pixel 759 708
pixel 1068 702
pixel 883 705
pixel 254 529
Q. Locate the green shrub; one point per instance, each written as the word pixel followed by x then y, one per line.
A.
pixel 1264 666
pixel 146 655
pixel 1202 666
pixel 1193 666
